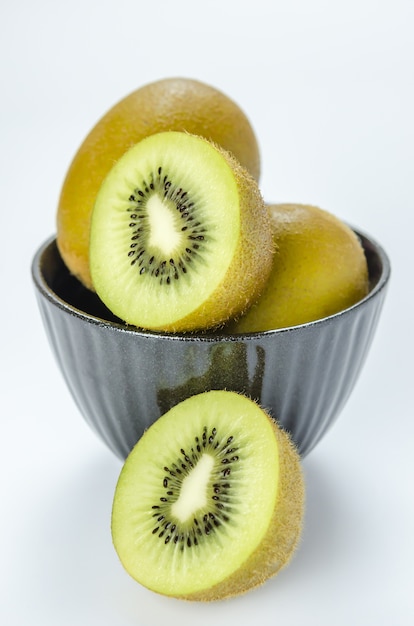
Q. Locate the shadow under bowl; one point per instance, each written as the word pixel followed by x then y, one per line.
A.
pixel 123 379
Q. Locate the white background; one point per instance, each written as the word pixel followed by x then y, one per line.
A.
pixel 329 89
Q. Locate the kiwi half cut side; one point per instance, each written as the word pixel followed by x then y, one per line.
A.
pixel 181 238
pixel 209 503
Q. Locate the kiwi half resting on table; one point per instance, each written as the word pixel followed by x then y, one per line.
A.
pixel 180 236
pixel 209 504
pixel 180 104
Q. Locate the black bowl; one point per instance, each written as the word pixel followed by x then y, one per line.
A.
pixel 123 379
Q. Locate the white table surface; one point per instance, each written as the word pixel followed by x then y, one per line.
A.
pixel 329 89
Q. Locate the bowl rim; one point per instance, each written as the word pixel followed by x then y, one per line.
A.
pixel 206 336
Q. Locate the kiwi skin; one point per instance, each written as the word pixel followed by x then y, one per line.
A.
pixel 181 104
pixel 319 269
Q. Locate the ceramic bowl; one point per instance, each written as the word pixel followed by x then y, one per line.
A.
pixel 123 379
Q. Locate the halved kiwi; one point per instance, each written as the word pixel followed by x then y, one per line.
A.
pixel 176 103
pixel 210 501
pixel 180 236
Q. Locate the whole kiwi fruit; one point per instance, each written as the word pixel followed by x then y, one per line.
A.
pixel 210 502
pixel 179 104
pixel 319 268
pixel 181 238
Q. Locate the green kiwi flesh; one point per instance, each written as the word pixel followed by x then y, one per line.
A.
pixel 180 236
pixel 209 503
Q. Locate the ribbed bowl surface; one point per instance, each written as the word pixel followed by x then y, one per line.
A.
pixel 123 380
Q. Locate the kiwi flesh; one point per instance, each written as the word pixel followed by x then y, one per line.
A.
pixel 180 236
pixel 319 269
pixel 209 503
pixel 176 103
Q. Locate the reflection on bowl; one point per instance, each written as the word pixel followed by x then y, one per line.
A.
pixel 123 379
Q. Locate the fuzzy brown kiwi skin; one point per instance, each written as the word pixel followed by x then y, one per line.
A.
pixel 170 104
pixel 283 535
pixel 319 269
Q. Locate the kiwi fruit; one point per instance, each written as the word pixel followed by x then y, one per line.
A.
pixel 209 503
pixel 180 235
pixel 319 269
pixel 179 104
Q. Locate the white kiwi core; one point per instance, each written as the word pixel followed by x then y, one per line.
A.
pixel 193 494
pixel 163 225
